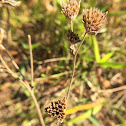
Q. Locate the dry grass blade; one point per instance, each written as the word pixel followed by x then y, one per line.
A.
pixel 117 97
pixel 53 60
pixel 31 58
pixel 113 90
pixel 12 60
pixel 31 91
pixel 8 26
pixel 24 82
pixel 7 67
pixel 121 100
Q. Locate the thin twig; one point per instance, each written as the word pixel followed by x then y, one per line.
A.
pixel 31 58
pixel 74 64
pixel 113 90
pixel 8 26
pixel 7 67
pixel 119 103
pixel 10 71
pixel 36 104
pixel 32 79
pixel 25 83
pixel 117 97
pixel 12 60
pixel 53 60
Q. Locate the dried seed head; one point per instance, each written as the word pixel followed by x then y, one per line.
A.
pixel 72 49
pixel 93 20
pixel 11 3
pixel 71 8
pixel 57 109
pixel 72 37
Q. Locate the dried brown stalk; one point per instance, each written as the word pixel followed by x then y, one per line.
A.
pixel 31 58
pixel 24 82
pixel 52 60
pixel 113 90
pixel 8 4
pixel 93 20
pixel 12 60
pixel 74 65
pixel 120 94
pixel 8 26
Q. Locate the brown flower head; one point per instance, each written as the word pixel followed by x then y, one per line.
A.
pixel 93 20
pixel 71 8
pixel 72 37
pixel 57 109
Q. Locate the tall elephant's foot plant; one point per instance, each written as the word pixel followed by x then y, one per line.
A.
pixel 93 20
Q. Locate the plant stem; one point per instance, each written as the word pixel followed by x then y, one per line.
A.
pixel 113 90
pixel 8 26
pixel 74 65
pixel 31 58
pixel 37 105
pixel 27 86
pixel 7 67
pixel 32 79
pixel 12 60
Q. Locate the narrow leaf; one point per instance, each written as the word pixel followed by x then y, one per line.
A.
pixel 85 115
pixel 96 48
pixel 94 121
pixel 113 65
pixel 106 57
pixel 82 107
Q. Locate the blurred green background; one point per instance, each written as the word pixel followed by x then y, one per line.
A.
pixel 101 65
